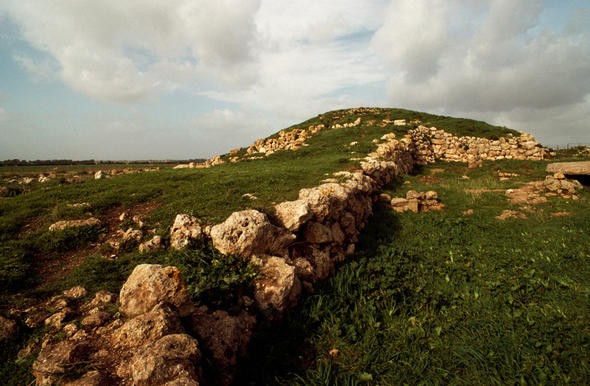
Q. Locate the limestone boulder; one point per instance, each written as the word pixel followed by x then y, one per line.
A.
pixel 57 359
pixel 172 360
pixel 317 233
pixel 293 214
pixel 91 378
pixel 150 284
pixel 250 232
pixel 185 229
pixel 225 337
pixel 149 327
pixel 153 244
pixel 279 286
pixel 325 200
pixel 570 168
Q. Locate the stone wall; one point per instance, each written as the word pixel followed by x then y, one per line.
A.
pixel 147 341
pixel 433 144
pixel 295 246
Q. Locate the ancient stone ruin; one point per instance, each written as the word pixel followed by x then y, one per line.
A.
pixel 158 336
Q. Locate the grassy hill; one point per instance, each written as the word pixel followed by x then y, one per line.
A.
pixel 421 287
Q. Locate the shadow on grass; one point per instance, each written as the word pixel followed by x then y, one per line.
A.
pixel 282 348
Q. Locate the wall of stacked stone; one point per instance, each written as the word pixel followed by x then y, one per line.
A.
pixel 294 247
pixel 433 144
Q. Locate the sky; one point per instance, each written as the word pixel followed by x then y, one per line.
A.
pixel 180 79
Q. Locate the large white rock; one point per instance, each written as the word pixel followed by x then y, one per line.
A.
pixel 293 214
pixel 184 229
pixel 249 232
pixel 168 361
pixel 150 284
pixel 279 287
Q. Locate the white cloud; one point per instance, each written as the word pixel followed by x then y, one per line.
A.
pixel 413 37
pixel 277 62
pixel 115 50
pixel 43 70
pixel 3 115
pixel 505 66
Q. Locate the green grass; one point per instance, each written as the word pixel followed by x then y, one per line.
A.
pixel 443 298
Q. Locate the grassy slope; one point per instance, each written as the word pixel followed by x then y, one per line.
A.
pixel 443 298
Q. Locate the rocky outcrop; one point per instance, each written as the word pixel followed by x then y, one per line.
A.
pixel 558 185
pixel 64 224
pixel 293 247
pixel 536 192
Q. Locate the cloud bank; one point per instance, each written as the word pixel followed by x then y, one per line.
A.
pixel 523 64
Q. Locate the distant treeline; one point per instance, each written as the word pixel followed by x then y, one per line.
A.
pixel 18 162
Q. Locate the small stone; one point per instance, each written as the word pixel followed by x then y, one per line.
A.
pixel 55 321
pixel 76 292
pixel 70 329
pixel 154 244
pixel 412 194
pixel 96 319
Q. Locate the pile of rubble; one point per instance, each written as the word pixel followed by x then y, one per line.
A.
pixel 536 192
pixel 417 202
pixel 149 340
pixel 559 185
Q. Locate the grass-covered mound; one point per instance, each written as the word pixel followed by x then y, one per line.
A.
pixel 27 247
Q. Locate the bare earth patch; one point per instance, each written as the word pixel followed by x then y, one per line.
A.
pixel 53 268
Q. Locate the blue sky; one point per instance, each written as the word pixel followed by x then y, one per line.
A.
pixel 188 79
